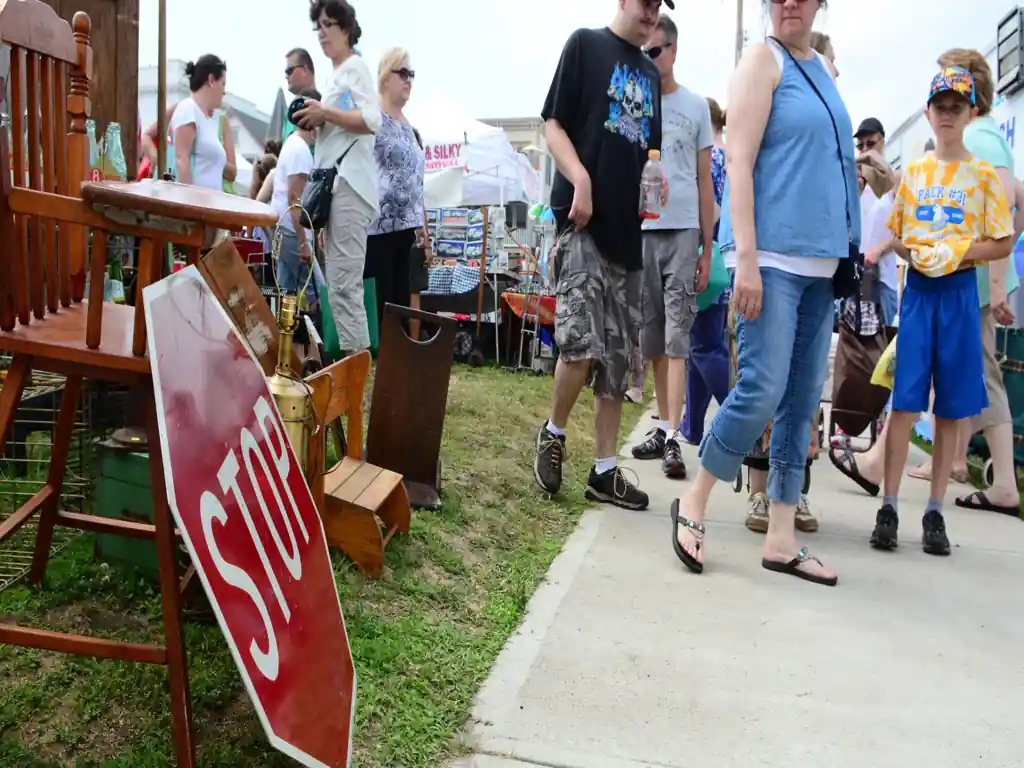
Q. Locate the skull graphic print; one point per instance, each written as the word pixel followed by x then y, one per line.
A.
pixel 632 105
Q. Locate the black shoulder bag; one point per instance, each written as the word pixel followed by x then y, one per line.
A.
pixel 316 197
pixel 847 280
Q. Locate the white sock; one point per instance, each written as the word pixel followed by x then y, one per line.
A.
pixel 665 426
pixel 556 431
pixel 677 436
pixel 605 465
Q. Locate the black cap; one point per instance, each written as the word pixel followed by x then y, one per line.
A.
pixel 671 4
pixel 871 125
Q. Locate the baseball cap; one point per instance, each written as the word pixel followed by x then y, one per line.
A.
pixel 870 125
pixel 671 4
pixel 955 80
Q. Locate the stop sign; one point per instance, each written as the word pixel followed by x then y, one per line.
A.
pixel 249 522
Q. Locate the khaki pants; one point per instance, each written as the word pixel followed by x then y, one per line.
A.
pixel 345 245
pixel 998 411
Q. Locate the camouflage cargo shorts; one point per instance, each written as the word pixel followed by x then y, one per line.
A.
pixel 597 313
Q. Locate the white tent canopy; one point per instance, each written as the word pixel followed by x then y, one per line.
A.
pixel 470 163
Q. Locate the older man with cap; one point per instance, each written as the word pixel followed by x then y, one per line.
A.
pixel 875 203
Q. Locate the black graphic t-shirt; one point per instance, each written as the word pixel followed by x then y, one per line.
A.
pixel 606 95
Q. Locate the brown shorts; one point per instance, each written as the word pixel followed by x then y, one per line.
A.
pixel 597 313
pixel 998 411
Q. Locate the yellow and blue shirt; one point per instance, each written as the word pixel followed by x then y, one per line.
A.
pixel 942 207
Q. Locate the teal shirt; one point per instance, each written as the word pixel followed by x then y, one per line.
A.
pixel 984 139
pixel 287 131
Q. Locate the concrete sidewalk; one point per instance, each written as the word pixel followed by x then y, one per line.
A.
pixel 626 659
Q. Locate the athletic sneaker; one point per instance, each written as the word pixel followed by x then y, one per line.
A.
pixel 887 523
pixel 757 514
pixel 805 521
pixel 547 462
pixel 612 487
pixel 934 537
pixel 672 464
pixel 653 447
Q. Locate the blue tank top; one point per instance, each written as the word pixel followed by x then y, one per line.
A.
pixel 800 205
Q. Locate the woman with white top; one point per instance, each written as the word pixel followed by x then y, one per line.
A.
pixel 199 155
pixel 347 118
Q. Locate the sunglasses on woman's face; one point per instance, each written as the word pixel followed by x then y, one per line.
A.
pixel 408 75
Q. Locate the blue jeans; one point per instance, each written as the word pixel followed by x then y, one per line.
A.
pixel 707 369
pixel 292 274
pixel 890 303
pixel 783 362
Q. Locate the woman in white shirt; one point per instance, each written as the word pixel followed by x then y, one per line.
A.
pixel 347 118
pixel 199 155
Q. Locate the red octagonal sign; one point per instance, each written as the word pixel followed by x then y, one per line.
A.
pixel 249 522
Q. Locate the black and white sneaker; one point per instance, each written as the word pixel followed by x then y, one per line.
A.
pixel 612 487
pixel 887 523
pixel 653 447
pixel 934 537
pixel 672 464
pixel 547 462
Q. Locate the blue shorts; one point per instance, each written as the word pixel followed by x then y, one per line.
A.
pixel 939 346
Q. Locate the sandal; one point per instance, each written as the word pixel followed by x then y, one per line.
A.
pixel 979 501
pixel 792 568
pixel 697 529
pixel 848 466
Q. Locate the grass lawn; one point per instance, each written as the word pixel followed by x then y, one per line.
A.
pixel 424 637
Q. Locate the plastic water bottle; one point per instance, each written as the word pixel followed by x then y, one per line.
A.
pixel 650 186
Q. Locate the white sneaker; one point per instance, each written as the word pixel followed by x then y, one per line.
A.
pixel 757 515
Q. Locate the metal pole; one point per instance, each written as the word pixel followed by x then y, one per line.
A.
pixel 161 95
pixel 739 29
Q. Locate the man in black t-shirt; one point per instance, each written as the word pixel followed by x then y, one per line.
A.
pixel 603 115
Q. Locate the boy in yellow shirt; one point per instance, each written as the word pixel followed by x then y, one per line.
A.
pixel 950 213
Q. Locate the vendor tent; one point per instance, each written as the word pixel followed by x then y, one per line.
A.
pixel 470 163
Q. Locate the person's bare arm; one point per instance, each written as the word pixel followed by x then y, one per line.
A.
pixel 231 166
pixel 296 183
pixel 149 138
pixel 1018 214
pixel 267 190
pixel 706 198
pixel 990 251
pixel 750 100
pixel 184 140
pixel 568 162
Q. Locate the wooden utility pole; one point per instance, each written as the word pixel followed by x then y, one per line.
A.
pixel 739 30
pixel 161 94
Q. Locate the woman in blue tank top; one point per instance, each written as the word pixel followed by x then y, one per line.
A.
pixel 790 211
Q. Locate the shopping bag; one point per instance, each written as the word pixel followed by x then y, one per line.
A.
pixel 885 371
pixel 856 401
pixel 718 280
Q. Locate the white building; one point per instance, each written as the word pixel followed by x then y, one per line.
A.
pixel 248 123
pixel 907 142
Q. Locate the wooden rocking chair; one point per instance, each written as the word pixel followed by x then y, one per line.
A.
pixel 46 325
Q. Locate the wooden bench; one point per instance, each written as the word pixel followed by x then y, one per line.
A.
pixel 362 506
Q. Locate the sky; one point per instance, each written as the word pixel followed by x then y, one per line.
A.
pixel 495 58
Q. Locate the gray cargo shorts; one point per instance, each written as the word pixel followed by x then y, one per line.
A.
pixel 670 292
pixel 597 313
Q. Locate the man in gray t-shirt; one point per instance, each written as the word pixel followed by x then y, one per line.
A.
pixel 673 272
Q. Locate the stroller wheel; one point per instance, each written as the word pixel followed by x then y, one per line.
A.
pixel 988 472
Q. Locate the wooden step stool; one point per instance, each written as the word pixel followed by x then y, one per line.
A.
pixel 354 498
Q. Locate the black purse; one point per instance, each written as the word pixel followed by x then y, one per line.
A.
pixel 846 282
pixel 319 190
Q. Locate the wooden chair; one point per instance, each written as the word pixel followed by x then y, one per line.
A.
pixel 46 324
pixel 354 497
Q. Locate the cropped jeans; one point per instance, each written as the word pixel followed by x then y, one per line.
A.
pixel 783 362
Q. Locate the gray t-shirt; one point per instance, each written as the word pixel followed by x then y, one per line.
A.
pixel 686 129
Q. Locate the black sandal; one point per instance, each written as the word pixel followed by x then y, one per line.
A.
pixel 697 529
pixel 792 568
pixel 847 464
pixel 979 501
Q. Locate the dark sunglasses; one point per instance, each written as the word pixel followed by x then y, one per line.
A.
pixel 783 2
pixel 288 71
pixel 655 52
pixel 408 75
pixel 863 145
